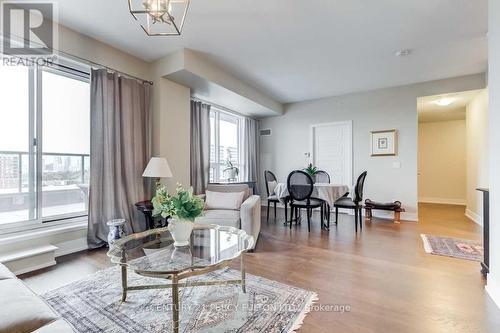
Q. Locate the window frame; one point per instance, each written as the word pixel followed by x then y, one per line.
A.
pixel 65 68
pixel 215 166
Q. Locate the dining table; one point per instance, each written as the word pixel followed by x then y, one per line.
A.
pixel 324 191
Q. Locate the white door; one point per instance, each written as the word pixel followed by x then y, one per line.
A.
pixel 332 150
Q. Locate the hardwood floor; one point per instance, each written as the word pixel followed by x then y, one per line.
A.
pixel 382 273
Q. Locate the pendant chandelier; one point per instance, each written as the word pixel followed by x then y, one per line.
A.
pixel 160 17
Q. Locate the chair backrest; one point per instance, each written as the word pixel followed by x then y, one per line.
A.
pixel 268 177
pixel 322 177
pixel 300 185
pixel 358 189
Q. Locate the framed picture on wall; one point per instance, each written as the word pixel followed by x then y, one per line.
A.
pixel 384 143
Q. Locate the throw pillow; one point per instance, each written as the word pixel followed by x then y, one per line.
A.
pixel 224 200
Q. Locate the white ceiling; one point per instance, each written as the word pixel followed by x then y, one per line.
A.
pixel 303 49
pixel 429 111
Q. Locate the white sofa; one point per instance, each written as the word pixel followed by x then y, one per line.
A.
pixel 246 218
pixel 23 311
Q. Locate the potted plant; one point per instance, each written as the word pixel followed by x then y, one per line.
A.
pixel 231 171
pixel 311 170
pixel 184 207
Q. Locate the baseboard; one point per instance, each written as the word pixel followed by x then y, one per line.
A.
pixel 28 260
pixel 72 246
pixel 385 215
pixel 28 255
pixel 412 217
pixel 493 290
pixel 32 268
pixel 442 201
pixel 474 217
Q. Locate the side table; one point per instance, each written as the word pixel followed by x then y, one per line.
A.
pixel 146 207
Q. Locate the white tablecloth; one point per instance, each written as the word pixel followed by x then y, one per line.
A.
pixel 323 191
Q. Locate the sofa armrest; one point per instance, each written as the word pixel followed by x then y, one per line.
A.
pixel 250 216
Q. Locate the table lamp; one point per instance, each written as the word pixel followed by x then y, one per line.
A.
pixel 157 168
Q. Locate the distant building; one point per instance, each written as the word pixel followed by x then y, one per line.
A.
pixel 9 171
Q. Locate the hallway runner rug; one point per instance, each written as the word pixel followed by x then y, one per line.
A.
pixel 453 247
pixel 93 304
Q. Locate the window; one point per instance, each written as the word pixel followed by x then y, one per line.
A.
pixel 225 145
pixel 44 143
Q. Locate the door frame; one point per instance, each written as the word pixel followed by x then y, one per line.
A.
pixel 350 145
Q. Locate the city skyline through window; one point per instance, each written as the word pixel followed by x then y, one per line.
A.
pixel 44 166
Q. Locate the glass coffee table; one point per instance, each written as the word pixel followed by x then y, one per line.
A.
pixel 152 254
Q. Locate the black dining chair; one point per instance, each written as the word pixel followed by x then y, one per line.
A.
pixel 322 177
pixel 269 177
pixel 300 187
pixel 355 203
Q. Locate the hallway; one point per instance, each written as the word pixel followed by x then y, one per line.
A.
pixel 447 220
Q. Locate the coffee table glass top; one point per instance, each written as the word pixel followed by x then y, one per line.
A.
pixel 153 251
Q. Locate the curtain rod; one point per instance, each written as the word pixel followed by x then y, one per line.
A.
pixel 95 64
pixel 86 61
pixel 196 99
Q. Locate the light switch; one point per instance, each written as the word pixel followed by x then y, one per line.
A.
pixel 396 165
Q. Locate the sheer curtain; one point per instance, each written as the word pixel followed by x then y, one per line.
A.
pixel 250 150
pixel 200 146
pixel 120 147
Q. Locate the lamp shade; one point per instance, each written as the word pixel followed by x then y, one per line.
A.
pixel 157 168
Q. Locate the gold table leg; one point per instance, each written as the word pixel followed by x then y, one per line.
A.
pixel 124 277
pixel 175 303
pixel 124 283
pixel 243 274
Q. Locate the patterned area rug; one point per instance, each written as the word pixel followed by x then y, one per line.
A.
pixel 453 247
pixel 93 305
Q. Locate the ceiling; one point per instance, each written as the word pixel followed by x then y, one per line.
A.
pixel 429 111
pixel 297 50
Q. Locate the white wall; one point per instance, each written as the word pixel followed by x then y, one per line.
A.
pixel 87 48
pixel 477 154
pixel 171 122
pixel 374 110
pixel 171 129
pixel 442 162
pixel 493 286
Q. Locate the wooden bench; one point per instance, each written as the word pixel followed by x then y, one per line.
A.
pixel 391 206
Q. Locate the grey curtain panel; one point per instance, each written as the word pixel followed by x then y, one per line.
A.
pixel 251 150
pixel 200 146
pixel 120 147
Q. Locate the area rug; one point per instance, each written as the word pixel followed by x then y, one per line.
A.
pixel 93 304
pixel 453 247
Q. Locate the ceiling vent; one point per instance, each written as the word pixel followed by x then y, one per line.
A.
pixel 265 132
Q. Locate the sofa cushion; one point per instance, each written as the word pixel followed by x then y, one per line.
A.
pixel 229 218
pixel 57 326
pixel 228 188
pixel 22 311
pixel 5 273
pixel 221 200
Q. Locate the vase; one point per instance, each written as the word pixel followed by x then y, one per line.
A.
pixel 116 230
pixel 231 174
pixel 181 231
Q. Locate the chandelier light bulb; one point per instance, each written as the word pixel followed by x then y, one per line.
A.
pixel 160 17
pixel 157 9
